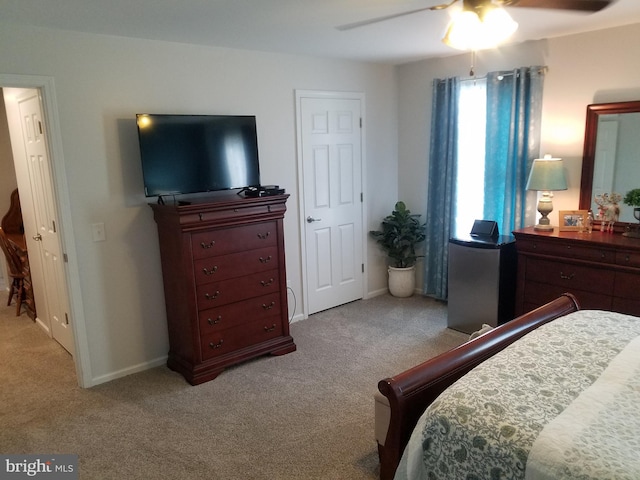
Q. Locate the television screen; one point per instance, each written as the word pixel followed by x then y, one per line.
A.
pixel 197 153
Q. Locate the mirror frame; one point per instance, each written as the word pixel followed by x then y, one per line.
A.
pixel 590 136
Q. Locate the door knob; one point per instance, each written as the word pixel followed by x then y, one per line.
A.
pixel 37 237
pixel 311 219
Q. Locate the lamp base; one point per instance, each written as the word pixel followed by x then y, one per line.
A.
pixel 545 207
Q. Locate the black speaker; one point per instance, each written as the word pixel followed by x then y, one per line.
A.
pixel 485 228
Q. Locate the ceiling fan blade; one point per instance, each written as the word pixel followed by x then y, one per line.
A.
pixel 350 26
pixel 580 5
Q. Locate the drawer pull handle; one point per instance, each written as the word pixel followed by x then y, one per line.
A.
pixel 208 245
pixel 263 236
pixel 213 346
pixel 627 258
pixel 214 322
pixel 265 260
pixel 208 296
pixel 270 329
pixel 267 283
pixel 566 277
pixel 210 271
pixel 270 306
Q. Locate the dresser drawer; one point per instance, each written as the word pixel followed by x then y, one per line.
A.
pixel 234 265
pixel 567 250
pixel 629 259
pixel 569 276
pixel 235 314
pixel 235 289
pixel 626 305
pixel 232 339
pixel 627 285
pixel 230 240
pixel 537 294
pixel 244 212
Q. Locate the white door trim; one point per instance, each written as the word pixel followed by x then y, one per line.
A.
pixel 301 210
pixel 47 88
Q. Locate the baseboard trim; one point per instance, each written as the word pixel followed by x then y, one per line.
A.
pixel 141 367
pixel 297 318
pixel 377 293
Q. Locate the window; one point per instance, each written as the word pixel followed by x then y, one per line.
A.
pixel 472 109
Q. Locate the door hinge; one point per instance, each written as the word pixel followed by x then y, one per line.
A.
pixel 65 258
pixel 363 268
pixel 40 126
pixel 361 197
pixel 66 318
pixel 54 225
pixel 360 122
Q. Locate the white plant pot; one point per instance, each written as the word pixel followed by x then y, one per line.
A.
pixel 402 281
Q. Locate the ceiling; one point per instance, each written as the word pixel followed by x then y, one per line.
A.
pixel 297 26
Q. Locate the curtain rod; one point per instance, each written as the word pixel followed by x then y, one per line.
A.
pixel 543 69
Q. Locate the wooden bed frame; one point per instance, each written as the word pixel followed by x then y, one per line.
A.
pixel 412 391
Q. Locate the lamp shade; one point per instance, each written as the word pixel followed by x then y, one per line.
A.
pixel 547 174
pixel 477 29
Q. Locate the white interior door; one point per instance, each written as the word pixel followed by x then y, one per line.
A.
pixel 41 231
pixel 331 158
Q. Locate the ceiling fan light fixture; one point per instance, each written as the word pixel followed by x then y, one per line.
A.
pixel 463 30
pixel 470 31
pixel 498 25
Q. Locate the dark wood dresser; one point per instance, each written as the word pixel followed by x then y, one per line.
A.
pixel 225 286
pixel 601 269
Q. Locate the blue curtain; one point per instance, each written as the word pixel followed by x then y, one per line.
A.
pixel 441 194
pixel 514 109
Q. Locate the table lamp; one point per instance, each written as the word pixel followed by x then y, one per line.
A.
pixel 547 175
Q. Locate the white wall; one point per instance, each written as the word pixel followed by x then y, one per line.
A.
pixel 101 82
pixel 7 180
pixel 594 67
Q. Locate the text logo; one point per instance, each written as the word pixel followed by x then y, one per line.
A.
pixel 49 467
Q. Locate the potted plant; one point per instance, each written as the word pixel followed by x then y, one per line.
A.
pixel 632 198
pixel 400 235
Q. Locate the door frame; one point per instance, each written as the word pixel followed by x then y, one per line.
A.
pixel 328 95
pixel 46 86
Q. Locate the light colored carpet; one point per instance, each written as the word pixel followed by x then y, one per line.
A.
pixel 305 415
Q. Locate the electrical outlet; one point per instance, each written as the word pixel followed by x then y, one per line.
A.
pixel 97 231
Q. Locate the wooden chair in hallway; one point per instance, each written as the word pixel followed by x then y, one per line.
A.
pixel 14 263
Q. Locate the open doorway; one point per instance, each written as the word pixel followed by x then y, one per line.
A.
pixel 39 174
pixel 42 243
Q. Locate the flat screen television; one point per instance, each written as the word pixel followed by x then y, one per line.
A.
pixel 197 153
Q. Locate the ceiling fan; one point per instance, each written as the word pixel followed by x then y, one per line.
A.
pixel 480 5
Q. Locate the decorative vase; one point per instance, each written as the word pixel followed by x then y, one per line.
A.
pixel 402 281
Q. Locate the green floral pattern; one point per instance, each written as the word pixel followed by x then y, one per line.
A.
pixel 484 425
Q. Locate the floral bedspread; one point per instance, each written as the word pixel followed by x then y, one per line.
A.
pixel 485 424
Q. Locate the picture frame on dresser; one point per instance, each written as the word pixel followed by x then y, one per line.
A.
pixel 571 220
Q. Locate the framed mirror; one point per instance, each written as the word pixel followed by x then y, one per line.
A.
pixel 611 160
